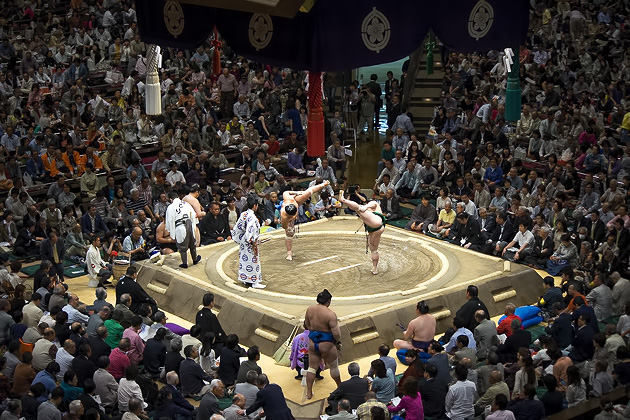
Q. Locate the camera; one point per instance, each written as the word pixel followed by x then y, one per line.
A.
pixel 352 189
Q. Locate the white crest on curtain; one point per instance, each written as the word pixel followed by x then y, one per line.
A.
pixel 375 31
pixel 480 20
pixel 260 31
pixel 174 18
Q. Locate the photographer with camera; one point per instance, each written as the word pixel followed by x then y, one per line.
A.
pixel 351 106
pixel 327 206
pixel 368 110
pixel 355 194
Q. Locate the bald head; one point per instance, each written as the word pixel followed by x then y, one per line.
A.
pixel 495 377
pixel 480 315
pixel 49 334
pixel 125 299
pixel 239 400
pixel 69 346
pixel 101 332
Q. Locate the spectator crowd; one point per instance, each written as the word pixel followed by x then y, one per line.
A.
pixel 85 175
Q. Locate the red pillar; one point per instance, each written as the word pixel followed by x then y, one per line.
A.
pixel 216 59
pixel 315 137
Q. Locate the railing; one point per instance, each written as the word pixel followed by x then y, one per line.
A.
pixel 412 73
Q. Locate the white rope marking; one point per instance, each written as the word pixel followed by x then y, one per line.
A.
pixel 341 269
pixel 316 261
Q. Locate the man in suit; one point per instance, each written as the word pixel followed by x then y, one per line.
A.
pixel 520 338
pixel 622 238
pixel 87 398
pixel 472 305
pixel 468 234
pixel 483 135
pixel 51 249
pixel 502 235
pixel 82 365
pixel 596 228
pixel 172 380
pixel 209 322
pixel 271 399
pixel 583 309
pixel 582 347
pixel 25 243
pixel 352 390
pixel 209 404
pixel 128 285
pixel 193 375
pixel 92 223
pixel 98 345
pixel 543 248
pixel 433 390
pixel 486 224
pixel 391 205
pixel 485 334
pixel 214 226
pixel 561 330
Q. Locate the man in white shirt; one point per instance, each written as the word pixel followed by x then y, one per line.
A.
pixel 390 170
pixel 325 172
pixel 175 176
pixel 461 396
pixel 10 141
pixel 108 19
pixel 64 357
pixel 399 161
pixel 485 111
pixel 95 264
pixel 73 312
pixel 525 241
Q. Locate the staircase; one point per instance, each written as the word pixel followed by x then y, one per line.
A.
pixel 426 94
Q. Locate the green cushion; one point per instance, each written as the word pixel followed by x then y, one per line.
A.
pixel 72 269
pixel 611 320
pixel 406 211
pixel 536 331
pixel 401 223
pixel 225 402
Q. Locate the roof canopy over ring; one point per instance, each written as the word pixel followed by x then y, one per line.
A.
pixel 336 35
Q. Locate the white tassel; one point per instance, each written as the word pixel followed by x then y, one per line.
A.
pixel 153 94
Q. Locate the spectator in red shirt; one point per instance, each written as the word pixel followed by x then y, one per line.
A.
pixel 504 326
pixel 118 359
pixel 274 145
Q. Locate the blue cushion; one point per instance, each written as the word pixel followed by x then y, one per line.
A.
pixel 530 315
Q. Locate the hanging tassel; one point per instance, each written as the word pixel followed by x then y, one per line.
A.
pixel 153 93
